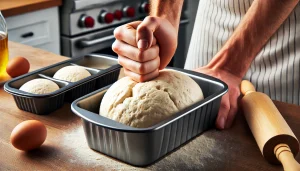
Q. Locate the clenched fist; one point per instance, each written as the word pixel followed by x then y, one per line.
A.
pixel 145 47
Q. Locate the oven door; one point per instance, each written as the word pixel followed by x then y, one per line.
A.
pixel 96 42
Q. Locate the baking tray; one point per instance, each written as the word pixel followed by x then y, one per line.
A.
pixel 143 146
pixel 104 70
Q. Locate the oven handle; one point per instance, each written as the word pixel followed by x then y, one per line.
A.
pixel 88 43
pixel 184 21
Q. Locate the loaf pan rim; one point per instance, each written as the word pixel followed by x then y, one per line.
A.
pixel 124 128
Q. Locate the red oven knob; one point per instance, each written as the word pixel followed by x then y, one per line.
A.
pixel 106 17
pixel 145 7
pixel 86 21
pixel 118 14
pixel 129 11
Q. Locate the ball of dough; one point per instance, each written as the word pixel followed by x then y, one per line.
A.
pixel 39 86
pixel 145 104
pixel 71 73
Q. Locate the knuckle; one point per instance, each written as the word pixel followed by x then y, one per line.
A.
pixel 140 56
pixel 225 107
pixel 236 92
pixel 118 32
pixel 116 47
pixel 144 26
pixel 120 61
pixel 141 68
pixel 151 19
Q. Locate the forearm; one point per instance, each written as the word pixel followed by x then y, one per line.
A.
pixel 260 22
pixel 169 9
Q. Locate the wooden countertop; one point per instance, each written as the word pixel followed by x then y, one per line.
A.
pixel 16 7
pixel 66 149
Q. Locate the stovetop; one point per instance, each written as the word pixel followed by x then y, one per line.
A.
pixel 83 16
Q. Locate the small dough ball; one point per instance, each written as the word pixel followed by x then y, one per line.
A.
pixel 39 86
pixel 71 73
pixel 145 104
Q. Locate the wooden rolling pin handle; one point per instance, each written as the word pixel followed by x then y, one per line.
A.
pixel 274 137
pixel 286 157
pixel 247 87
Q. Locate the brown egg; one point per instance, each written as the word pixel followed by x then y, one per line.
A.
pixel 17 66
pixel 28 135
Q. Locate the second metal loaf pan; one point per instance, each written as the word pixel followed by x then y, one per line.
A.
pixel 104 70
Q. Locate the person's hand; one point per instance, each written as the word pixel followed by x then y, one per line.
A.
pixel 229 102
pixel 145 47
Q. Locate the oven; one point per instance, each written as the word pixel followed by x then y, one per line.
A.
pixel 87 26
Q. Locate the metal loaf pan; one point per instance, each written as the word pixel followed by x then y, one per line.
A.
pixel 104 71
pixel 143 146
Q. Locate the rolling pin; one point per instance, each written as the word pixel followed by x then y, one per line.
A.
pixel 276 141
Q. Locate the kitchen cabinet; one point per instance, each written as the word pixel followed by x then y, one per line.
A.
pixel 39 29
